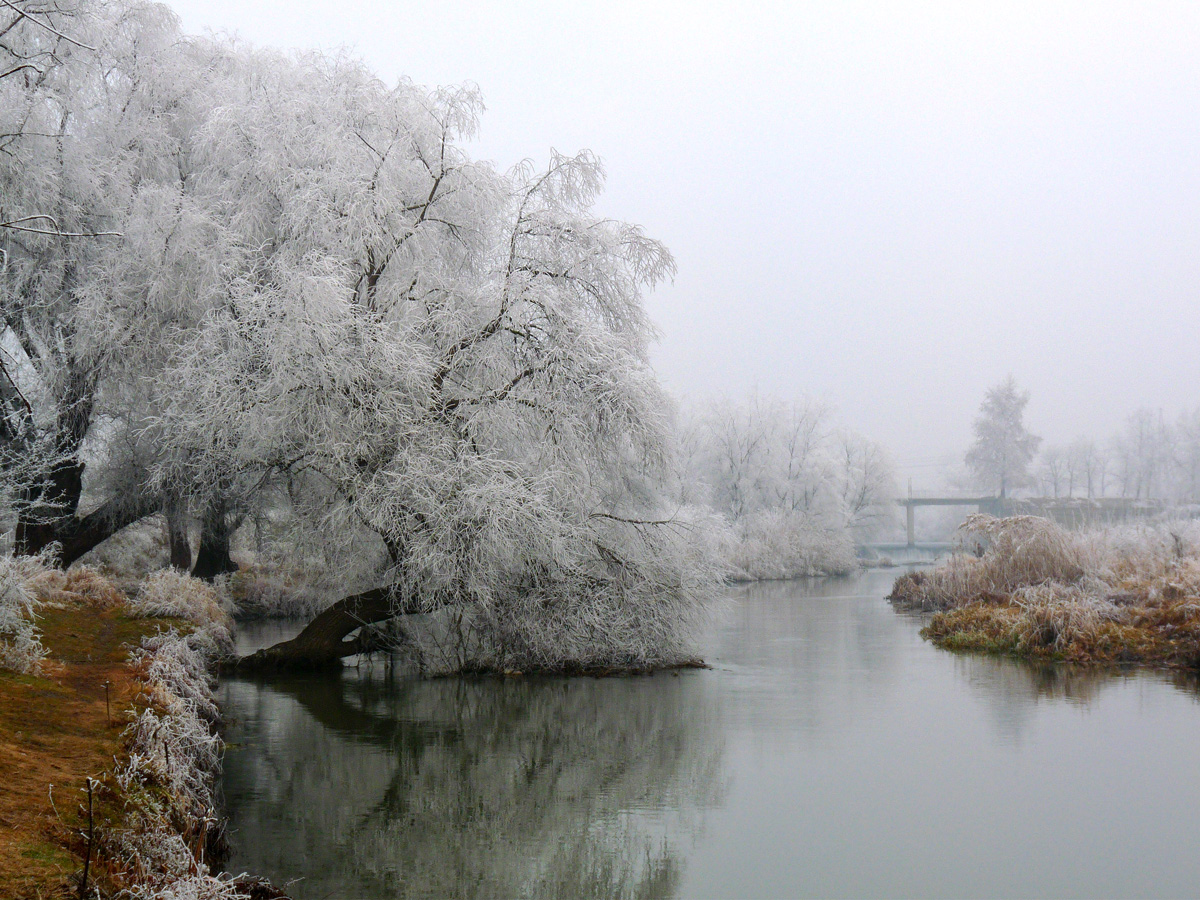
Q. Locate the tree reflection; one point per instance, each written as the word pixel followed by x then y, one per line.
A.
pixel 1008 685
pixel 373 785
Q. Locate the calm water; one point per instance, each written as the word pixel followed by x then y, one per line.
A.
pixel 830 752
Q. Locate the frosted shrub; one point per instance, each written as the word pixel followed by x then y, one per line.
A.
pixel 196 886
pixel 93 588
pixel 776 544
pixel 20 649
pixel 172 594
pixel 174 757
pixel 1137 553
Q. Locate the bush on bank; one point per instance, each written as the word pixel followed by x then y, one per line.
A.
pixel 1029 587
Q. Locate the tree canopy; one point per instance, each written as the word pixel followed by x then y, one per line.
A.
pixel 261 283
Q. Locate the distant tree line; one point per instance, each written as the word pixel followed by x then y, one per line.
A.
pixel 1152 458
pixel 794 490
pixel 753 455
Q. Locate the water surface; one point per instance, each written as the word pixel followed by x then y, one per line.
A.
pixel 829 752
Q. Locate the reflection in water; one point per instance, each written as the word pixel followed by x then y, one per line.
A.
pixel 379 786
pixel 806 664
pixel 828 752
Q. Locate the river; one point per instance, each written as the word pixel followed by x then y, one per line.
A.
pixel 828 752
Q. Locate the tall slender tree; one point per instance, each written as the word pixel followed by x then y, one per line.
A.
pixel 1003 449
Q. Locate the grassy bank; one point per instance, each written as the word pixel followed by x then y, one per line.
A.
pixel 109 749
pixel 55 724
pixel 1029 588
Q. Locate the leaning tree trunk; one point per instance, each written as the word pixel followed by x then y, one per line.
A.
pixel 212 559
pixel 76 536
pixel 323 641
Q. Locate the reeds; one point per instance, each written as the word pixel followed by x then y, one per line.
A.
pixel 1000 556
pixel 1027 586
pixel 162 843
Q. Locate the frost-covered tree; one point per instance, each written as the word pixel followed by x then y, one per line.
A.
pixel 1142 453
pixel 80 139
pixel 740 453
pixel 761 454
pixel 1186 457
pixel 795 491
pixel 278 284
pixel 441 363
pixel 1003 448
pixel 1083 467
pixel 1052 471
pixel 865 482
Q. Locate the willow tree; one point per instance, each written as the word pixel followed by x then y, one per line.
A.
pixel 91 127
pixel 443 363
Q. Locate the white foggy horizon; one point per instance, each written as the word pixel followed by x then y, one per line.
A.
pixel 889 209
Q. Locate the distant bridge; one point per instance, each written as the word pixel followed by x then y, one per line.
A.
pixel 1070 511
pixel 990 505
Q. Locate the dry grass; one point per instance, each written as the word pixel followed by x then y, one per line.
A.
pixel 170 594
pixel 259 592
pixel 1116 595
pixel 157 829
pixel 55 729
pixel 93 587
pixel 142 728
pixel 1016 552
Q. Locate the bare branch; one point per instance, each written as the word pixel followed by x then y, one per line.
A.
pixel 24 15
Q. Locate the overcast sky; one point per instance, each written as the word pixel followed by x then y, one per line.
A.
pixel 888 206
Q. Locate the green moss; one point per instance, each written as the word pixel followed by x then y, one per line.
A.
pixel 50 854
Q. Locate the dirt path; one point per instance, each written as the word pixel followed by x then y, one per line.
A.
pixel 54 730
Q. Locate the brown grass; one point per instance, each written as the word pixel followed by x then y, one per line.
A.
pixel 54 728
pixel 1109 596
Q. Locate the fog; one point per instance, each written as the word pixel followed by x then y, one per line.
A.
pixel 887 208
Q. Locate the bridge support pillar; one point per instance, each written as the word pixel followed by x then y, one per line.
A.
pixel 909 524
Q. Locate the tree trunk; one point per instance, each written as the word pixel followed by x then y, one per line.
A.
pixel 212 559
pixel 63 490
pixel 322 643
pixel 177 534
pixel 76 536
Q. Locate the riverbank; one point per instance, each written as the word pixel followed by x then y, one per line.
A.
pixel 109 750
pixel 56 730
pixel 1032 589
